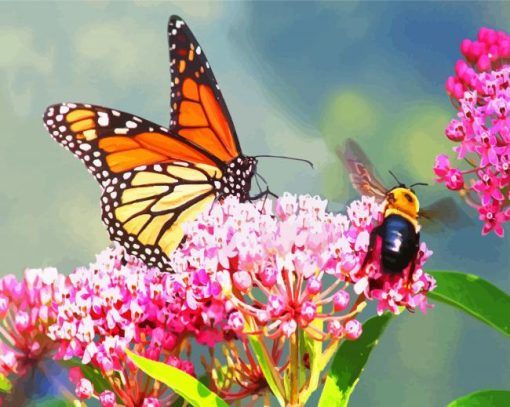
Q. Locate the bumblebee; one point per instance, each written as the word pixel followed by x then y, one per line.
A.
pixel 399 232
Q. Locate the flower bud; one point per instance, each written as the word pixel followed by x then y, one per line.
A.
pixel 353 329
pixel 341 300
pixel 84 389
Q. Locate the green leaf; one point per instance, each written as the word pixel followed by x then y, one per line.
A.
pixel 475 296
pixel 182 383
pixel 492 398
pixel 93 374
pixel 314 349
pixel 271 375
pixel 5 384
pixel 349 362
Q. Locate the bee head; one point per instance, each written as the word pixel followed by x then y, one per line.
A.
pixel 403 199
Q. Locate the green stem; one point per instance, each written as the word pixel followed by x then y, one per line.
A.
pixel 294 369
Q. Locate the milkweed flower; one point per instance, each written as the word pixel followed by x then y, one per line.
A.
pixel 118 303
pixel 294 268
pixel 26 311
pixel 481 130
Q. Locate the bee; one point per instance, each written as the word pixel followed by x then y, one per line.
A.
pixel 399 232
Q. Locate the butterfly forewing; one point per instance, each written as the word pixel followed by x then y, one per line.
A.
pixel 198 110
pixel 110 141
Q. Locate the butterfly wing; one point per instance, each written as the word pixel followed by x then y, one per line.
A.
pixel 361 171
pixel 152 180
pixel 144 209
pixel 198 110
pixel 109 141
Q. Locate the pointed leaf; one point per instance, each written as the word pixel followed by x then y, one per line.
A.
pixel 349 362
pixel 492 398
pixel 475 296
pixel 271 375
pixel 182 383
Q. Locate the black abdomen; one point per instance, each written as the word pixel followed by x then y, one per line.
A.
pixel 399 244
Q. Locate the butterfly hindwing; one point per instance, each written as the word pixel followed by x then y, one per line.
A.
pixel 198 110
pixel 144 209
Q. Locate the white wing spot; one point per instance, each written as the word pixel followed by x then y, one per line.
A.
pixel 103 119
pixel 131 124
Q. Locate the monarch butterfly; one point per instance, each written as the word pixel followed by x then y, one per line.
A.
pixel 153 179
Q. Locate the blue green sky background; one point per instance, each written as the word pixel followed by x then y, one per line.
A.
pixel 299 78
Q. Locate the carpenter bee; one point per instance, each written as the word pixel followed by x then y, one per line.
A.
pixel 399 232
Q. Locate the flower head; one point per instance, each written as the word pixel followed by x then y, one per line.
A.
pixel 26 311
pixel 118 303
pixel 480 91
pixel 295 269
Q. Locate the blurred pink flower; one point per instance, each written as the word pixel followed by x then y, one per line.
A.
pixel 480 92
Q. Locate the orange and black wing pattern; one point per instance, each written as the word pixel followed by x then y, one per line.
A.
pixel 198 111
pixel 152 181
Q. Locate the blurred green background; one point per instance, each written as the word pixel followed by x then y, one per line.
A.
pixel 299 78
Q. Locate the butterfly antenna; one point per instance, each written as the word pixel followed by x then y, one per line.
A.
pixel 418 183
pixel 285 158
pixel 396 179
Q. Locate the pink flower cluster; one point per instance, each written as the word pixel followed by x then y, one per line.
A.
pixel 26 311
pixel 119 303
pixel 286 269
pixel 481 129
pixel 488 53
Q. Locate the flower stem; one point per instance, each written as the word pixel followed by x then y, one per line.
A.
pixel 294 369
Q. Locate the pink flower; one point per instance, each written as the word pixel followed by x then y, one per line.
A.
pixel 84 389
pixel 488 187
pixel 107 399
pixel 341 300
pixel 482 128
pixel 26 311
pixel 275 281
pixel 454 179
pixel 353 329
pixel 493 217
pixel 118 302
pixel 150 402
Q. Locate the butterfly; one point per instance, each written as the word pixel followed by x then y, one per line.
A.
pixel 154 178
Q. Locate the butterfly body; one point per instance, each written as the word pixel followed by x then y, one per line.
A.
pixel 153 178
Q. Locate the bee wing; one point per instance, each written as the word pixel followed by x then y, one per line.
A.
pixel 443 212
pixel 361 171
